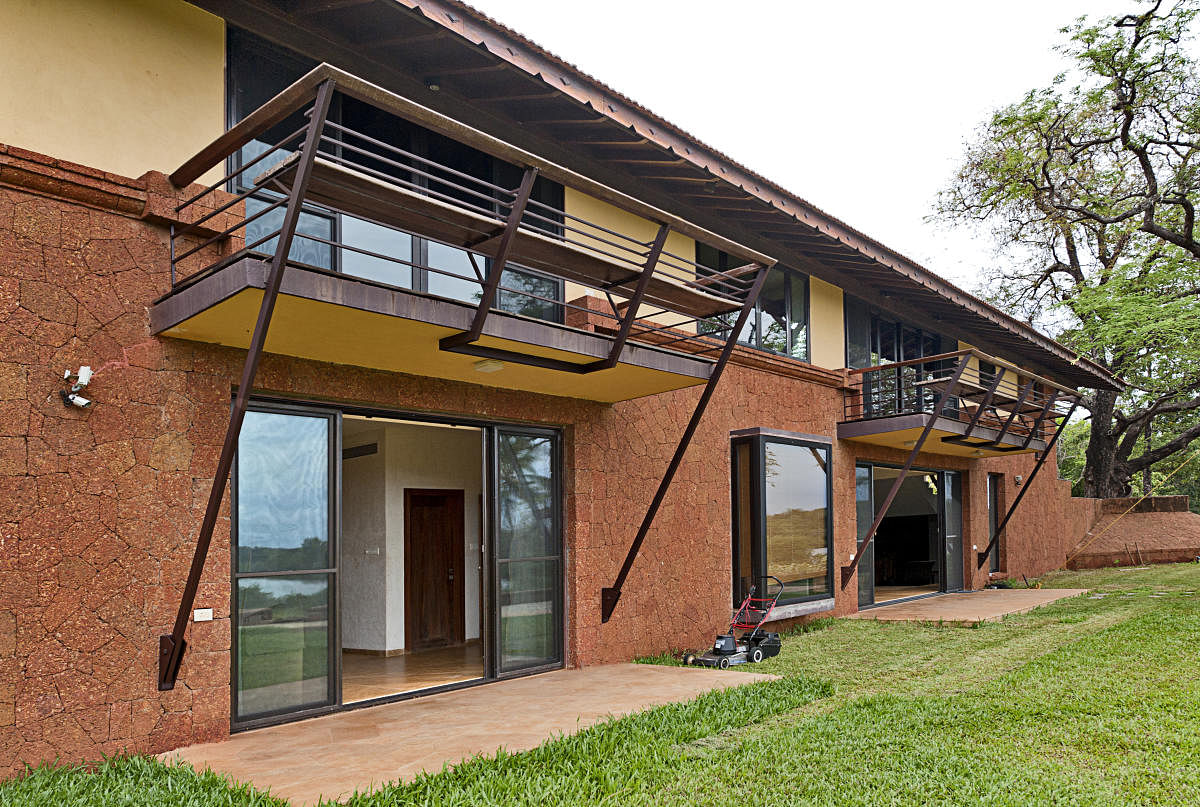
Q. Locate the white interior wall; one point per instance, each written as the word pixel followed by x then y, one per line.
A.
pixel 432 457
pixel 364 543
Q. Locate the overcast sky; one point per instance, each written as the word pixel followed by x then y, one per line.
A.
pixel 861 108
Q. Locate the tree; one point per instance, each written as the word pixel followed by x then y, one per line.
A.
pixel 1090 187
pixel 1167 478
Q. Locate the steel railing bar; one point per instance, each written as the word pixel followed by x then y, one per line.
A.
pixel 410 155
pixel 225 179
pixel 238 198
pixel 238 226
pixel 425 190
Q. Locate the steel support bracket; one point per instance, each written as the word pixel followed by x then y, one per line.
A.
pixel 492 286
pixel 982 557
pixel 939 403
pixel 171 647
pixel 609 597
pixel 170 656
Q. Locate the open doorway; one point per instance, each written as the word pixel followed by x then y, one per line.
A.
pixel 917 549
pixel 412 561
pixel 907 557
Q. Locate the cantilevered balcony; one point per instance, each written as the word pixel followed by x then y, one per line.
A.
pixel 971 403
pixel 505 289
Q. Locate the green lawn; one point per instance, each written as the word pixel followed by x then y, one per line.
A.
pixel 1092 701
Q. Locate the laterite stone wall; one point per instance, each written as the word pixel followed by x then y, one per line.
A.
pixel 100 508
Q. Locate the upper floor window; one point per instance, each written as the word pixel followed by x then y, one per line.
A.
pixel 779 323
pixel 259 70
pixel 874 337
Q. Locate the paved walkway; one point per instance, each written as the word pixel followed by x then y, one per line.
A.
pixel 362 749
pixel 969 607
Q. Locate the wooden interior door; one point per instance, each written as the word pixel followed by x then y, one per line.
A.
pixel 433 568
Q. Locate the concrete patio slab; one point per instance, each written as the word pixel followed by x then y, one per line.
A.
pixel 335 755
pixel 969 607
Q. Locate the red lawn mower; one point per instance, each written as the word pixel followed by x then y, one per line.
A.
pixel 755 644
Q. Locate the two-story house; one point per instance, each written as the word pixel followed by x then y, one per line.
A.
pixel 417 358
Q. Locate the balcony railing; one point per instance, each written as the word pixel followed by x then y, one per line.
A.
pixel 996 405
pixel 649 293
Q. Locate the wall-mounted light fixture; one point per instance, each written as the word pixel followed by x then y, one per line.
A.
pixel 489 365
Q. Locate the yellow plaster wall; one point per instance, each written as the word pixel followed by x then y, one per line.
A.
pixel 827 329
pixel 576 203
pixel 1010 384
pixel 126 86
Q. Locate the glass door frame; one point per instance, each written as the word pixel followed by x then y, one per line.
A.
pixel 334 642
pixel 489 626
pixel 943 475
pixel 492 566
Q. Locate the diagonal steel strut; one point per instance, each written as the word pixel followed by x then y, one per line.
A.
pixel 610 595
pixel 172 646
pixel 943 396
pixel 492 286
pixel 983 556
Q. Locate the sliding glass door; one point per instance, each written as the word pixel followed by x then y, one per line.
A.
pixel 952 529
pixel 286 543
pixel 864 509
pixel 871 483
pixel 284 564
pixel 528 617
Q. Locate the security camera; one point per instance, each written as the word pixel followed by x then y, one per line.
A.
pixel 71 399
pixel 82 376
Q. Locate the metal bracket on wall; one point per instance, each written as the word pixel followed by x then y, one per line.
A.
pixel 992 544
pixel 464 342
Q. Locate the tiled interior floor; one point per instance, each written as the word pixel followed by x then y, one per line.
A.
pixel 364 748
pixel 969 607
pixel 887 593
pixel 365 677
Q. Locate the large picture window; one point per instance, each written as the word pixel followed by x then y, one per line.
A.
pixel 783 519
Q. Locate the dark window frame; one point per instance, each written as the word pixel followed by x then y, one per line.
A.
pixel 332 572
pixel 875 317
pixel 758 503
pixel 995 502
pixel 493 561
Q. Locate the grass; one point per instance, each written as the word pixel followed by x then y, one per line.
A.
pixel 1090 701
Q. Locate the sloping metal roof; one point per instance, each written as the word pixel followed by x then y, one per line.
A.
pixel 455 59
